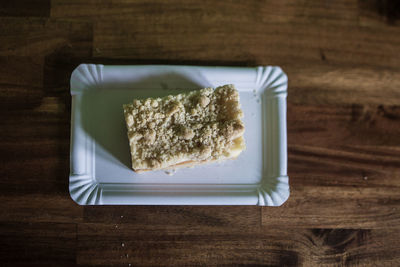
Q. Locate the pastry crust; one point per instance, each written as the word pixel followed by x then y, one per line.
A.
pixel 191 163
pixel 185 130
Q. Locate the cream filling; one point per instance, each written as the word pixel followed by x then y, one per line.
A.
pixel 237 148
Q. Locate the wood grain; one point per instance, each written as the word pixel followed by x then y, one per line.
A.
pixel 38 244
pixel 346 159
pixel 203 245
pixel 25 8
pixel 342 59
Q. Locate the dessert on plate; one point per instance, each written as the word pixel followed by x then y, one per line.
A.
pixel 185 130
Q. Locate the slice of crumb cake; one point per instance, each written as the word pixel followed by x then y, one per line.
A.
pixel 186 129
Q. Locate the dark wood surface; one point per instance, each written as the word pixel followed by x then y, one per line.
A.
pixel 343 63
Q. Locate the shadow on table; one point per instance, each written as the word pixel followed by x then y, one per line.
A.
pixel 102 113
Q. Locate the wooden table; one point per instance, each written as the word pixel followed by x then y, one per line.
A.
pixel 342 59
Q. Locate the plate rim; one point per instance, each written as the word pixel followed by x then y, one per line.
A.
pixel 273 190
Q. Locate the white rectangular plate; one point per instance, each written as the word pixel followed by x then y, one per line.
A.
pixel 101 171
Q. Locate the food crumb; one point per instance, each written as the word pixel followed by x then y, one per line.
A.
pixel 170 172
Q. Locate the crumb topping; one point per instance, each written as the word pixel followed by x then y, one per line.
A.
pixel 198 125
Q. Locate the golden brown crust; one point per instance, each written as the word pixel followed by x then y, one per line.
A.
pixel 185 164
